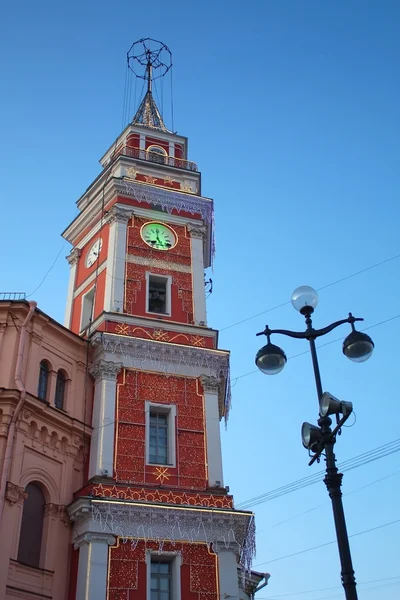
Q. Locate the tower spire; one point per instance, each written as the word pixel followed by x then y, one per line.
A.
pixel 152 55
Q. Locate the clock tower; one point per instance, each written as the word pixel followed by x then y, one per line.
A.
pixel 155 520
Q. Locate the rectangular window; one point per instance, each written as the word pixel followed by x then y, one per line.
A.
pixel 160 434
pixel 161 585
pixel 87 309
pixel 158 452
pixel 158 294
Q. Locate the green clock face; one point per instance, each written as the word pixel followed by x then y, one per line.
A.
pixel 158 236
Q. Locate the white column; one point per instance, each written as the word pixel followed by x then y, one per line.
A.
pixel 101 460
pixel 93 565
pixel 116 259
pixel 228 573
pixel 197 233
pixel 72 258
pixel 213 434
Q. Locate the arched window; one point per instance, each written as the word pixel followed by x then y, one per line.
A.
pixel 157 154
pixel 60 390
pixel 30 537
pixel 44 374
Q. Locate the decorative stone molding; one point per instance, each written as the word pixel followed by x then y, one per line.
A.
pixel 210 384
pixel 106 369
pixel 73 256
pixel 119 215
pixel 37 339
pixel 220 527
pixel 90 538
pixel 158 263
pixel 169 200
pixel 57 510
pixel 3 327
pixel 15 493
pixel 196 231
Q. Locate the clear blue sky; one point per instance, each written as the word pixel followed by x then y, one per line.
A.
pixel 292 109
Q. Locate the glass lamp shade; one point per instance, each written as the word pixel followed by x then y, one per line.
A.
pixel 304 299
pixel 270 359
pixel 310 436
pixel 358 346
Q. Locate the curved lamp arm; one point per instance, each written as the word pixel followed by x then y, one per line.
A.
pixel 310 333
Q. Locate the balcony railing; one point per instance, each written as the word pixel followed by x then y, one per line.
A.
pixel 155 157
pixel 12 296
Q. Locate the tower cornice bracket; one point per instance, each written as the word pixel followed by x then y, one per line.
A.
pixel 196 231
pixel 105 369
pixel 73 256
pixel 119 215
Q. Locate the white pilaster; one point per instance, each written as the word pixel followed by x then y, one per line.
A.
pixel 213 434
pixel 142 142
pixel 72 258
pixel 93 565
pixel 197 233
pixel 115 277
pixel 102 443
pixel 228 575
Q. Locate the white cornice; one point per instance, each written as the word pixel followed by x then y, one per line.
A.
pixel 156 324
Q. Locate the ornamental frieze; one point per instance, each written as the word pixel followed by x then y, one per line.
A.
pixel 160 335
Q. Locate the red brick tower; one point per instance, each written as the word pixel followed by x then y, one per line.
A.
pixel 155 521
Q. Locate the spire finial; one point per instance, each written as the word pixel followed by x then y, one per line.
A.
pixel 156 58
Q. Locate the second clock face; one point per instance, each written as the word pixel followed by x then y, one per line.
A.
pixel 94 252
pixel 158 236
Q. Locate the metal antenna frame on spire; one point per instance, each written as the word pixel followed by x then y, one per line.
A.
pixel 151 54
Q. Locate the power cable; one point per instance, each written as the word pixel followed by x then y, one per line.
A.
pixel 336 587
pixel 352 463
pixel 324 287
pixel 267 562
pixel 48 272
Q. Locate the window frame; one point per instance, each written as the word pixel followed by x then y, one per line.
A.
pixel 170 411
pixel 64 392
pixel 92 292
pixel 168 304
pixel 44 366
pixel 175 560
pixel 26 530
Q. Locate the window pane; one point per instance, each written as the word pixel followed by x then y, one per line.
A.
pixel 30 539
pixel 154 595
pixel 164 584
pixel 163 595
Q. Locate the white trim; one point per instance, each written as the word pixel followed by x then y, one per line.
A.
pixel 115 278
pixel 168 285
pixel 170 410
pixel 70 295
pixel 83 326
pixel 142 141
pixel 199 296
pixel 164 152
pixel 89 280
pixel 175 558
pixel 213 439
pixel 149 322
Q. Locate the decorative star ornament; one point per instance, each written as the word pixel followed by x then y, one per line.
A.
pixel 161 474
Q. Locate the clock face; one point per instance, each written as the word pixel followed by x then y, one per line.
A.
pixel 158 236
pixel 94 252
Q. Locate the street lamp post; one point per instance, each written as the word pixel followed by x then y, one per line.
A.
pixel 271 359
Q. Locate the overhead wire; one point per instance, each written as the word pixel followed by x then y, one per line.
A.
pixel 335 587
pixel 267 562
pixel 348 465
pixel 345 278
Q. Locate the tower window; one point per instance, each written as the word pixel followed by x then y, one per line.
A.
pixel 158 451
pixel 160 434
pixel 158 294
pixel 157 154
pixel 44 373
pixel 87 308
pixel 161 576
